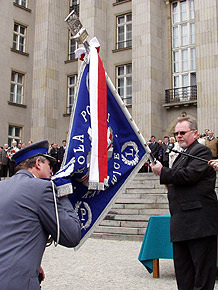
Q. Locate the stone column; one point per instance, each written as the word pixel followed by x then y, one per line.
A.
pixel 45 70
pixel 147 63
pixel 206 19
pixel 93 15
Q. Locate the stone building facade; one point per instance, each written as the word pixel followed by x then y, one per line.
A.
pixel 161 55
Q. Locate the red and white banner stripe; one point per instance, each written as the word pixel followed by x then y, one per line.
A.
pixel 98 113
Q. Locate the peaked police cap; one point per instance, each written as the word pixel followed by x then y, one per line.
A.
pixel 36 149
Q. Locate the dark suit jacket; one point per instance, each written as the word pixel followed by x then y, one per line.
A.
pixel 54 153
pixel 165 155
pixel 154 149
pixel 192 199
pixel 61 152
pixel 27 217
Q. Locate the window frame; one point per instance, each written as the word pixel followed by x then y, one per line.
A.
pixel 117 2
pixel 185 66
pixel 14 136
pixel 127 42
pixel 70 86
pixel 20 2
pixel 16 43
pixel 126 99
pixel 14 94
pixel 71 54
pixel 74 6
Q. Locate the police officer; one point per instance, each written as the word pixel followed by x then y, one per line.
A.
pixel 30 211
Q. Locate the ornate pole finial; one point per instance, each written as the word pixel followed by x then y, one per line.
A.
pixel 78 31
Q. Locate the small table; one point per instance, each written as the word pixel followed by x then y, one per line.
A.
pixel 156 243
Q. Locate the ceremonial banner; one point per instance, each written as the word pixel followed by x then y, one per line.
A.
pixel 126 153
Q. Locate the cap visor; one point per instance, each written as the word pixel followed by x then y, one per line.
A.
pixel 50 158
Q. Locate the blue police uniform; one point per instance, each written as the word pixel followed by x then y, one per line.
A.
pixel 27 218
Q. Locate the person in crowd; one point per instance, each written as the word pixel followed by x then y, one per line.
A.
pixel 13 149
pixel 54 153
pixel 173 155
pixel 30 211
pixel 148 142
pixel 160 152
pixel 206 131
pixel 61 152
pixel 4 161
pixel 154 146
pixel 212 143
pixel 23 145
pixel 50 147
pixel 201 139
pixel 194 210
pixel 146 167
pixel 165 155
pixel 19 145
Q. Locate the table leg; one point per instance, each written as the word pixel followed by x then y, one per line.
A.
pixel 156 273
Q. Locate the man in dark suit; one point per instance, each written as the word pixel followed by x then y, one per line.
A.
pixel 4 161
pixel 54 153
pixel 194 210
pixel 29 212
pixel 165 155
pixel 154 146
pixel 61 152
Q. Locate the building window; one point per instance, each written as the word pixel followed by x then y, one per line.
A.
pixel 183 44
pixel 124 31
pixel 72 81
pixel 23 3
pixel 74 5
pixel 17 87
pixel 124 82
pixel 72 47
pixel 19 37
pixel 14 134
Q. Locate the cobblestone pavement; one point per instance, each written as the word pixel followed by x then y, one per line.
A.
pixel 103 265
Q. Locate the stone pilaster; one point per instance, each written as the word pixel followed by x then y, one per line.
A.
pixel 93 15
pixel 45 70
pixel 206 15
pixel 147 63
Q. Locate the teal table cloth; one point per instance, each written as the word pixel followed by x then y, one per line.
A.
pixel 156 243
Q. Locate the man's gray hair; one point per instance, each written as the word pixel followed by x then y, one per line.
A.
pixel 192 123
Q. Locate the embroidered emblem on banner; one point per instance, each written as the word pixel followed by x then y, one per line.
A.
pixel 85 213
pixel 130 153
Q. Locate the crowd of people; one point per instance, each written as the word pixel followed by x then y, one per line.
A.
pixel 7 165
pixel 159 148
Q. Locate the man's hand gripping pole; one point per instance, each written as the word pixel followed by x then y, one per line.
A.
pixel 151 157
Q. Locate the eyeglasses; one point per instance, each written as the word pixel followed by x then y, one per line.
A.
pixel 182 133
